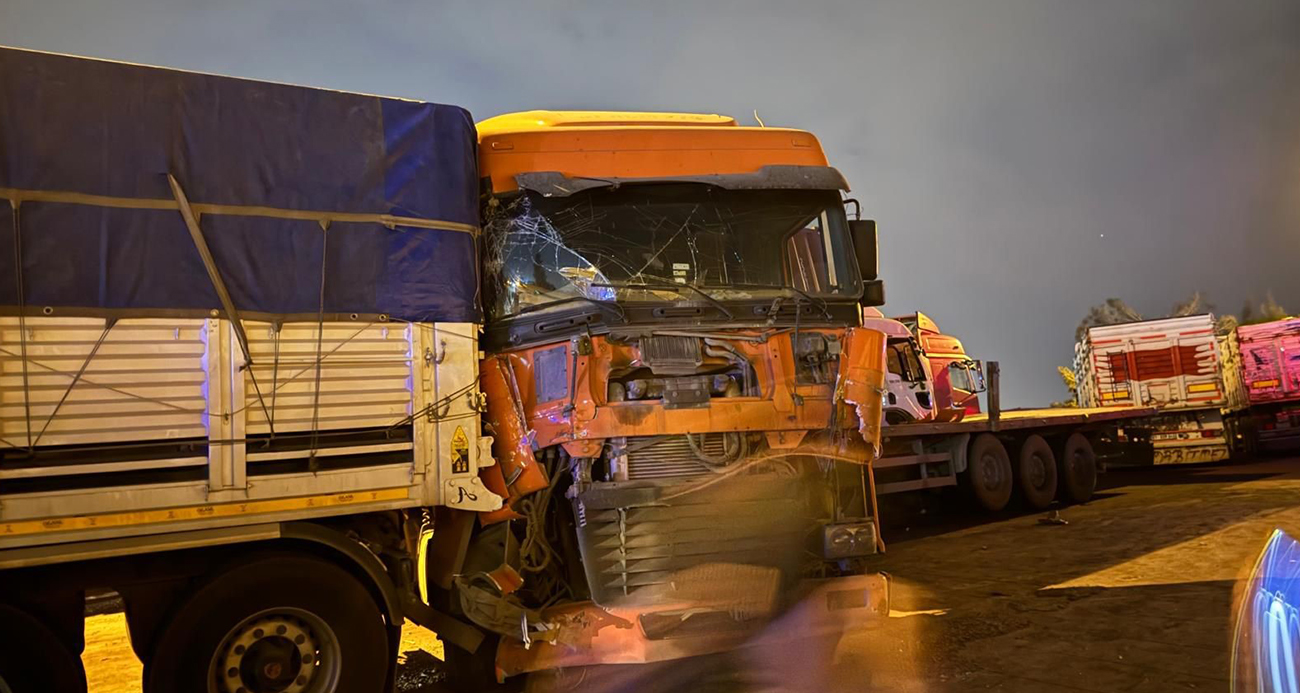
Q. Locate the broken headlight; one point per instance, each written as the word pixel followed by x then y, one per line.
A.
pixel 848 540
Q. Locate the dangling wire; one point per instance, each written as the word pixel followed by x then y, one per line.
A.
pixel 312 463
pixel 275 377
pixel 22 314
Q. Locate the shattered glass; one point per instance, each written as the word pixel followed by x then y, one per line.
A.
pixel 624 243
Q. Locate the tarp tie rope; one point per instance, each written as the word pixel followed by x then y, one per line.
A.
pixel 108 325
pixel 214 274
pixel 389 221
pixel 22 312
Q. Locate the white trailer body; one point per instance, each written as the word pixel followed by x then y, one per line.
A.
pixel 238 373
pixel 165 429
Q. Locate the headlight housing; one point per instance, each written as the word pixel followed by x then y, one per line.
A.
pixel 848 540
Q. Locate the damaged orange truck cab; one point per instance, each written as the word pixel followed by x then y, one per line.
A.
pixel 676 381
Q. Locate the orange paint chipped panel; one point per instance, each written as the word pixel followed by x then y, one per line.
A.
pixel 862 380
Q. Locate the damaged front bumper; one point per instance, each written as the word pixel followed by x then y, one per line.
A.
pixel 584 634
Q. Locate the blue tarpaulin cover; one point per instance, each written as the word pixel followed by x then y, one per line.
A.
pixel 86 147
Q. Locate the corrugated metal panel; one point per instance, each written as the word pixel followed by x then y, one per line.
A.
pixel 670 457
pixel 146 381
pixel 365 376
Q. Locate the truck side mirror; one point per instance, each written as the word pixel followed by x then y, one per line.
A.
pixel 873 293
pixel 865 246
pixel 977 376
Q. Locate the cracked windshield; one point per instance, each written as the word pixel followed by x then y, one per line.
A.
pixel 644 243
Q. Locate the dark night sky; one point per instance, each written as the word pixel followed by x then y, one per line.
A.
pixel 995 141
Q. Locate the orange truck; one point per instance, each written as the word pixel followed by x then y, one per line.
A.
pixel 681 395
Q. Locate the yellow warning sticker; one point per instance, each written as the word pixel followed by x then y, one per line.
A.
pixel 459 452
pixel 198 512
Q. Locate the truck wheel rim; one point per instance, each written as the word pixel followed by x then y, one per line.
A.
pixel 1079 465
pixel 1037 471
pixel 282 650
pixel 991 472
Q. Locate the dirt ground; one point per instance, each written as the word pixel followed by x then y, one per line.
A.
pixel 1134 594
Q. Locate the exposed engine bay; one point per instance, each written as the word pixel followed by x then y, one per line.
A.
pixel 756 471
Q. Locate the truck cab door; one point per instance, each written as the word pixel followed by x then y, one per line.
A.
pixel 966 381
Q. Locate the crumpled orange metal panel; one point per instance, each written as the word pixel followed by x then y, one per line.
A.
pixel 862 380
pixel 517 472
pixel 584 418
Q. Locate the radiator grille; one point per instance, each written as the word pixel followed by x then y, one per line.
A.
pixel 632 552
pixel 669 457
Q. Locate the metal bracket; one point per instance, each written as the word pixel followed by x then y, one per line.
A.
pixel 469 493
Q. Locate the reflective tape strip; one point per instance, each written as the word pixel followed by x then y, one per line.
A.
pixel 199 512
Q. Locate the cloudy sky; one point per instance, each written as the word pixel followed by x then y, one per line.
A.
pixel 1025 159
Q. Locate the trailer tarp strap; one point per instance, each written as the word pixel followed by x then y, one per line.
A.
pixel 390 221
pixel 196 235
pixel 232 313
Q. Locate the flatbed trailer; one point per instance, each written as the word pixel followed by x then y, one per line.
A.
pixel 1039 454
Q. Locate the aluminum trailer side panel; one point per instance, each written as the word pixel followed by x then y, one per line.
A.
pixel 164 430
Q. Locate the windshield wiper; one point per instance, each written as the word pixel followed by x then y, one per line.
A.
pixel 665 284
pixel 818 303
pixel 603 305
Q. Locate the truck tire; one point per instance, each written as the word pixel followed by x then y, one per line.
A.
pixel 33 659
pixel 1077 465
pixel 279 623
pixel 1036 475
pixel 988 473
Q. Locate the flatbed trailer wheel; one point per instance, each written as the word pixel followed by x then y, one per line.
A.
pixel 1036 473
pixel 33 659
pixel 1077 465
pixel 282 624
pixel 988 472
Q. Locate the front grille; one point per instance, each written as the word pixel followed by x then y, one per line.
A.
pixel 669 457
pixel 656 551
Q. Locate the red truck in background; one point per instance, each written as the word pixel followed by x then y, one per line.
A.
pixel 1270 374
pixel 958 379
